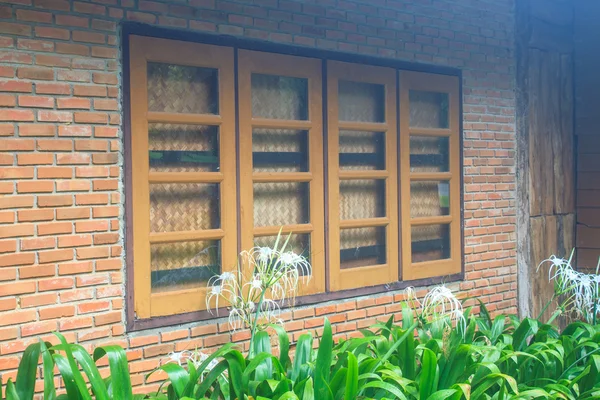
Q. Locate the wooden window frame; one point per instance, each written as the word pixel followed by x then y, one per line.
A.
pixel 352 278
pixel 456 272
pixel 298 67
pixel 442 84
pixel 144 50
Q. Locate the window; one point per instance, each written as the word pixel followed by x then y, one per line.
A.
pixel 360 163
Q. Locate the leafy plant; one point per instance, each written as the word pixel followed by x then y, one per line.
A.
pixel 431 356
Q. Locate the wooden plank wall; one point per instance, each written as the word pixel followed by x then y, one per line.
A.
pixel 545 152
pixel 587 130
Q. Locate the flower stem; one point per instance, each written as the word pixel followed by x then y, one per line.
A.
pixel 256 315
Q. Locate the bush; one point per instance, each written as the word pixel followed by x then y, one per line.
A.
pixel 482 358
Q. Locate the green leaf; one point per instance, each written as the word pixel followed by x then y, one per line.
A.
pixel 442 394
pixel 428 379
pixel 323 365
pixel 284 345
pixel 351 378
pixel 261 343
pixel 74 373
pixel 393 390
pixel 119 371
pixel 26 374
pixel 178 377
pixel 302 358
pixel 48 371
pixel 309 393
pixel 11 391
pixel 67 375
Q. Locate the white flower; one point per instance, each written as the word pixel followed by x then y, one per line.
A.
pixel 177 357
pixel 226 276
pixel 440 302
pixel 265 254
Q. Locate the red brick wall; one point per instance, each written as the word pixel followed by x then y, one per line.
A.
pixel 61 204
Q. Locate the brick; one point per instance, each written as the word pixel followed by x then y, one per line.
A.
pixel 90 117
pixel 38 243
pixel 38 271
pixel 72 213
pixel 54 172
pixel 55 284
pixel 53 60
pixel 73 103
pixel 20 230
pixel 88 37
pixel 7 100
pixel 16 173
pixel 17 145
pixel 106 104
pixel 38 328
pixel 73 268
pixel 52 33
pixel 15 29
pixel 35 187
pixel 67 324
pixel 87 253
pixel 75 130
pixel 16 115
pixel 15 86
pixel 12 260
pixel 54 145
pixel 35 45
pixel 14 289
pixel 5 305
pixel 37 300
pixel 8 246
pixel 73 185
pixel 91 226
pixel 35 159
pixel 54 228
pixel 36 101
pixel 72 20
pixel 52 88
pixel 90 91
pixel 57 312
pixel 34 16
pixel 55 255
pixel 72 48
pixel 104 78
pixel 55 200
pixel 55 116
pixel 105 132
pixel 74 241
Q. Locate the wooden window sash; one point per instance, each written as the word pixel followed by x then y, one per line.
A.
pixel 297 67
pixel 440 84
pixel 144 49
pixel 340 279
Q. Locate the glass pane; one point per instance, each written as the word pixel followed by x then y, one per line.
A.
pixel 184 207
pixel 279 97
pixel 429 198
pixel 429 154
pixel 277 204
pixel 430 242
pixel 363 102
pixel 182 89
pixel 362 150
pixel 364 198
pixel 183 148
pixel 184 265
pixel 428 109
pixel 362 247
pixel 298 243
pixel 279 150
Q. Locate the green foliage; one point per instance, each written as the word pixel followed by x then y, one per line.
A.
pixel 486 359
